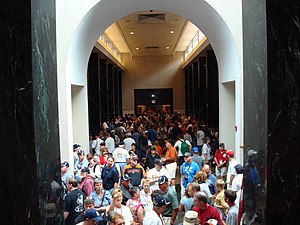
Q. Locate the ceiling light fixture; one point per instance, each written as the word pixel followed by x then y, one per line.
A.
pixel 172 32
pixel 167 47
pixel 131 32
pixel 137 48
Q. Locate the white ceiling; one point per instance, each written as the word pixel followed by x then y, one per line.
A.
pixel 152 33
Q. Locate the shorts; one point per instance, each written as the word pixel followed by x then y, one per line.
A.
pixel 221 172
pixel 172 169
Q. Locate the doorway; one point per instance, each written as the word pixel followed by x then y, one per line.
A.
pixel 155 100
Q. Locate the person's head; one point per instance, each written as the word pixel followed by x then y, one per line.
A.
pixel 116 219
pixel 133 146
pixel 155 193
pixel 110 161
pixel 160 203
pixel 191 218
pixel 90 158
pixel 192 188
pixel 64 167
pixel 126 180
pixel 200 200
pixel 104 151
pixel 158 164
pixel 163 183
pixel 206 169
pixel 153 150
pixel 200 177
pixel 146 185
pixel 195 150
pixel 81 155
pixel 187 157
pixel 135 192
pixel 229 196
pixel 220 184
pixel 230 154
pixel 134 160
pixel 72 183
pixel 91 216
pixel 117 195
pixel 221 146
pixel 239 169
pixel 98 185
pixel 168 144
pixel 85 171
pixel 88 204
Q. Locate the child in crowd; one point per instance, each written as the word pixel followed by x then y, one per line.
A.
pixel 219 202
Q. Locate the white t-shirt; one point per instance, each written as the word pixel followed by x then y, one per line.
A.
pixel 154 174
pixel 128 142
pixel 110 144
pixel 204 187
pixel 151 218
pixel 236 186
pixel 206 150
pixel 120 155
pixel 231 170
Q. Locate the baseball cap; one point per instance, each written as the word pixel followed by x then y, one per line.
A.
pixel 85 170
pixel 251 152
pixel 92 214
pixel 211 222
pixel 80 152
pixel 65 163
pixel 222 144
pixel 190 218
pixel 160 200
pixel 239 168
pixel 163 179
pixel 230 153
pixel 187 154
pixel 126 177
pixel 158 161
pixel 76 146
pixel 195 149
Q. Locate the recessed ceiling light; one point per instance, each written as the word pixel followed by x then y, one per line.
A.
pixel 167 47
pixel 172 31
pixel 131 32
pixel 137 48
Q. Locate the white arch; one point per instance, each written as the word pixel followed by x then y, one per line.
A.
pixel 202 14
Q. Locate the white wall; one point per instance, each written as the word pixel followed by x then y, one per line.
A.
pixel 79 24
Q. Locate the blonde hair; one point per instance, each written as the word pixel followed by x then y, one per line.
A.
pixel 145 180
pixel 200 176
pixel 117 191
pixel 220 183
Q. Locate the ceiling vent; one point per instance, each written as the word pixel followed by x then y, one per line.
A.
pixel 151 47
pixel 152 18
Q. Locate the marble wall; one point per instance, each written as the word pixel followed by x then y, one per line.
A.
pixel 271 112
pixel 30 165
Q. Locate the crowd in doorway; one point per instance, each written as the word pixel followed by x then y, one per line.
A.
pixel 148 169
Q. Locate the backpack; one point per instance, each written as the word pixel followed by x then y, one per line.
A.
pixel 184 147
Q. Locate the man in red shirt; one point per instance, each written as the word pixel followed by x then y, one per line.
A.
pixel 204 210
pixel 221 159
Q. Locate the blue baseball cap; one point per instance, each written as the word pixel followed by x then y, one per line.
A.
pixel 163 179
pixel 195 149
pixel 93 214
pixel 160 200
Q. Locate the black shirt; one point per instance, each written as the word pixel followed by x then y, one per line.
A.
pixel 110 176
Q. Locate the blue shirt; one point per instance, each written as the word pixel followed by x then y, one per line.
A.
pixel 106 197
pixel 189 171
pixel 110 176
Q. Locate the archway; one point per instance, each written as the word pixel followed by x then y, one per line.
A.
pixel 202 14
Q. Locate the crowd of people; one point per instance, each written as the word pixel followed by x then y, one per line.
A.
pixel 146 169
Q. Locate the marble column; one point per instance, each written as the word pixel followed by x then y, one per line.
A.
pixel 202 89
pixel 93 93
pixel 212 89
pixel 103 91
pixel 271 110
pixel 30 165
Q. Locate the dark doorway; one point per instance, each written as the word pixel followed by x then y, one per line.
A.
pixel 153 99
